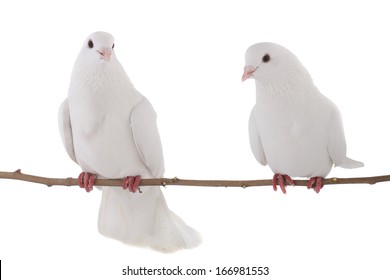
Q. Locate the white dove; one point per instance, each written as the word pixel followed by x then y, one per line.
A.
pixel 109 129
pixel 293 128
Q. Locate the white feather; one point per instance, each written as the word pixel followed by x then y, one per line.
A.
pixel 146 137
pixel 255 140
pixel 66 129
pixel 112 130
pixel 299 129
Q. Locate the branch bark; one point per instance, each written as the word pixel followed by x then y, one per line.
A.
pixel 18 175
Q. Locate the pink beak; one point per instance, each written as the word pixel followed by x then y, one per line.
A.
pixel 105 54
pixel 248 72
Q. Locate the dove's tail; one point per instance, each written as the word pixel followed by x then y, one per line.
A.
pixel 350 163
pixel 143 219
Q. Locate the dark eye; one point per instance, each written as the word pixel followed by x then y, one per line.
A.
pixel 90 44
pixel 266 58
pixel 113 45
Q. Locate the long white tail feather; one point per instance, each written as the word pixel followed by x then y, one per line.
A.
pixel 143 219
pixel 350 163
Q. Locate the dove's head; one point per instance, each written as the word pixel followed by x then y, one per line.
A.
pixel 98 48
pixel 272 63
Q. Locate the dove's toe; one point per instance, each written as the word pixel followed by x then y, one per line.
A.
pixel 131 183
pixel 86 181
pixel 281 180
pixel 315 183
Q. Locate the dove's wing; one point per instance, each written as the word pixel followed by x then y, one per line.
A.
pixel 66 129
pixel 255 141
pixel 337 146
pixel 146 137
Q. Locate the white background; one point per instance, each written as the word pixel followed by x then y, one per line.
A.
pixel 187 58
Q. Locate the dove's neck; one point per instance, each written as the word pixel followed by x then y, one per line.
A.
pixel 285 90
pixel 106 81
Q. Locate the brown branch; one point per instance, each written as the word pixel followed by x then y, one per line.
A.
pixel 18 175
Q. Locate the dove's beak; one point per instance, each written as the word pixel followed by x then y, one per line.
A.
pixel 105 54
pixel 248 72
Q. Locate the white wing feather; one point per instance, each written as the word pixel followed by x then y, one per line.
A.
pixel 146 137
pixel 66 129
pixel 337 147
pixel 255 141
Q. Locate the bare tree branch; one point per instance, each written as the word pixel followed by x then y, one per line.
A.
pixel 18 175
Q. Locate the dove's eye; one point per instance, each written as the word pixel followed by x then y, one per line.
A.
pixel 90 44
pixel 266 58
pixel 113 45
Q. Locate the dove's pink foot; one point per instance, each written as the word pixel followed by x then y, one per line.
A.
pixel 281 179
pixel 86 181
pixel 131 183
pixel 315 183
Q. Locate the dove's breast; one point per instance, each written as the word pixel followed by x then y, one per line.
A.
pixel 103 140
pixel 295 137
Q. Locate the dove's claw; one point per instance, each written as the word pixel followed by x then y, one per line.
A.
pixel 311 182
pixel 281 183
pixel 131 183
pixel 136 183
pixel 315 183
pixel 86 181
pixel 280 179
pixel 274 182
pixel 126 182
